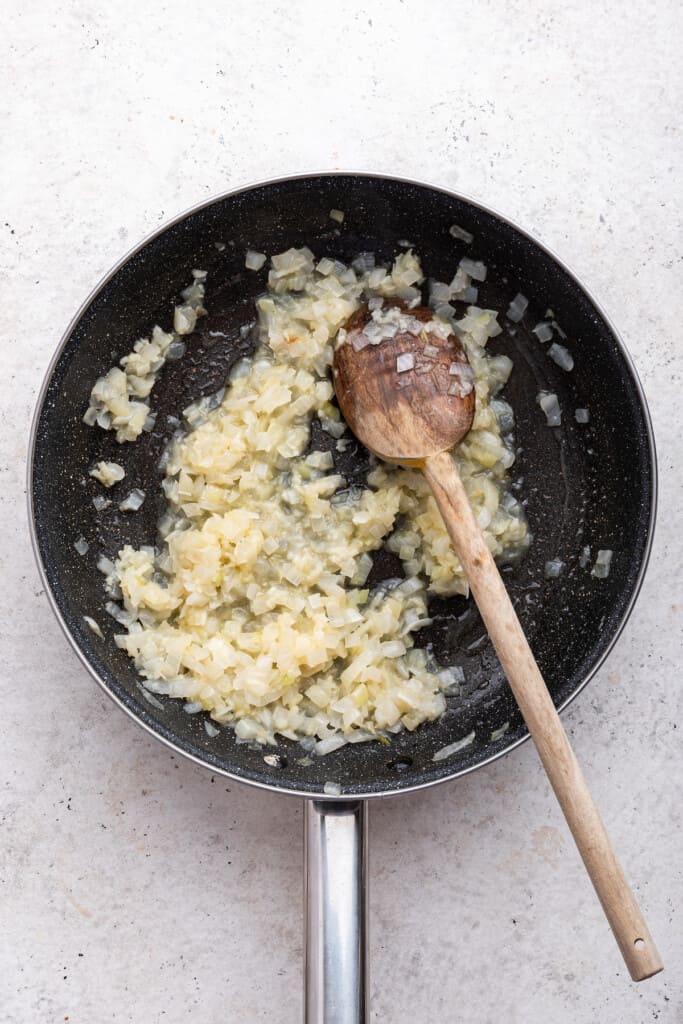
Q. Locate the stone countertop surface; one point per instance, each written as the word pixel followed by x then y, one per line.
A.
pixel 137 887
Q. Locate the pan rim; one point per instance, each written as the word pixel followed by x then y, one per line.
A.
pixel 242 189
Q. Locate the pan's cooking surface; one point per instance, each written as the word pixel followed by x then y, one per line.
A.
pixel 583 484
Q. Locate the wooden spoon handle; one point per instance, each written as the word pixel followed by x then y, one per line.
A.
pixel 531 693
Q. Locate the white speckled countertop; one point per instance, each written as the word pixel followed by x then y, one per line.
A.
pixel 135 887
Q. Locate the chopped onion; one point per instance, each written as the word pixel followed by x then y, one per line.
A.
pixel 559 329
pixel 105 565
pixel 149 697
pixel 543 332
pixel 329 744
pixel 193 707
pixel 453 748
pixel 81 545
pixel 363 262
pixel 551 407
pixel 210 729
pixel 562 356
pixel 457 232
pixel 475 268
pixel 439 293
pixel 184 319
pixel 451 679
pixel 337 215
pixel 176 350
pixel 504 414
pixel 100 502
pixel 93 627
pixel 602 565
pixel 460 387
pixel 230 542
pixel 585 556
pixel 497 733
pixel 582 415
pixel 445 311
pixel 552 569
pixel 273 760
pixel 108 473
pixel 254 260
pixel 133 502
pixel 325 266
pixel 517 308
pixel 406 361
pixel 121 616
pixel 332 789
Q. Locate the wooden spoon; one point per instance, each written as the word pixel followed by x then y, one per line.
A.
pixel 415 417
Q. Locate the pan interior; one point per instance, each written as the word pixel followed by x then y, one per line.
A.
pixel 583 484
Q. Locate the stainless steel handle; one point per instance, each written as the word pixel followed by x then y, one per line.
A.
pixel 336 896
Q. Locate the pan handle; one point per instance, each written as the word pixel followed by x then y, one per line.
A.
pixel 336 909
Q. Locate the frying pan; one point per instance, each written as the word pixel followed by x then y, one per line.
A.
pixel 583 484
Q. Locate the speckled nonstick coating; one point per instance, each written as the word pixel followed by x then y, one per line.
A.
pixel 583 484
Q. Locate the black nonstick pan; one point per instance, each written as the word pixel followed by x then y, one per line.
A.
pixel 584 485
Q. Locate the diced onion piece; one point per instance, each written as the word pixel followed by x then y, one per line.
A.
pixel 453 748
pixel 332 789
pixel 553 568
pixel 359 341
pixel 562 356
pixel 603 562
pixel 457 232
pixel 582 415
pixel 404 362
pixel 150 698
pixel 439 293
pixel 337 216
pixel 105 565
pixel 100 502
pixel 430 351
pixel 497 733
pixel 475 268
pixel 543 332
pixel 193 707
pixel 211 730
pixel 585 556
pixel 254 260
pixel 517 308
pixel 176 350
pixel 81 545
pixel 551 407
pixel 133 502
pixel 329 744
pixel 108 473
pixel 184 319
pixel 93 626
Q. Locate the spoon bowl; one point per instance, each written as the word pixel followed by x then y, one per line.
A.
pixel 408 394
